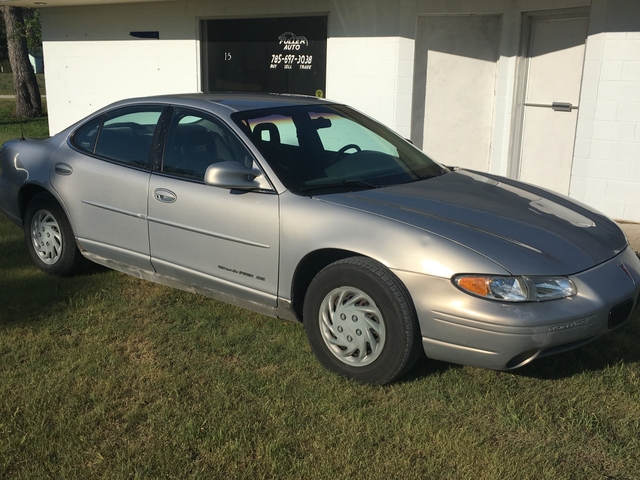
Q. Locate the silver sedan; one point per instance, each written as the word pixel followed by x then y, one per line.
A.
pixel 308 210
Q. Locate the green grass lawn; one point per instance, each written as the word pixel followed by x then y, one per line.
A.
pixel 12 127
pixel 6 83
pixel 108 376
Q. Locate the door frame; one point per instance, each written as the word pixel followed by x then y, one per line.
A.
pixel 522 71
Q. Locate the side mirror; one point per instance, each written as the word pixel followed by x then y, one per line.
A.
pixel 236 176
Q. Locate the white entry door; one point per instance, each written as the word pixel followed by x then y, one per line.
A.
pixel 553 76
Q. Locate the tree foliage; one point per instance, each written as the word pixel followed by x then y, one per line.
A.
pixel 19 25
pixel 4 53
pixel 31 29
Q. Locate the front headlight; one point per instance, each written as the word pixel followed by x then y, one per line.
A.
pixel 516 289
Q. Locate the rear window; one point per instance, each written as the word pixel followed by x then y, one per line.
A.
pixel 85 137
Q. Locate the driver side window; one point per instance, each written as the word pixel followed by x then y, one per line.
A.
pixel 195 141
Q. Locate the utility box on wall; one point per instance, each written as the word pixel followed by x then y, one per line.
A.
pixel 281 55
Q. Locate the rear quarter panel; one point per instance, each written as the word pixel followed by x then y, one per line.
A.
pixel 23 163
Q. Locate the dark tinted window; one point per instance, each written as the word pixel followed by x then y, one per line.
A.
pixel 85 136
pixel 127 134
pixel 196 141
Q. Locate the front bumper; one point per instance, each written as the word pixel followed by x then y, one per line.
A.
pixel 459 328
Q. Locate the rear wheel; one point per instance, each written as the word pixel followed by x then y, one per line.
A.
pixel 360 321
pixel 49 238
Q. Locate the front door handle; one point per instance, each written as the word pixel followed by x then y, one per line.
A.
pixel 165 196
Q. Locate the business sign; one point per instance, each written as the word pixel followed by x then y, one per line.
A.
pixel 281 55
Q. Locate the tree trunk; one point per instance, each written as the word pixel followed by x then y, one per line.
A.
pixel 28 101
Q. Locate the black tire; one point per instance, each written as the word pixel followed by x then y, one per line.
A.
pixel 356 292
pixel 49 238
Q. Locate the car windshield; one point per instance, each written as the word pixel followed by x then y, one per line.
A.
pixel 316 149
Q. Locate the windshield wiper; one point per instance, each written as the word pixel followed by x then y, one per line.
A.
pixel 427 176
pixel 343 183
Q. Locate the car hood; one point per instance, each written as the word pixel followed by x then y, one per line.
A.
pixel 525 229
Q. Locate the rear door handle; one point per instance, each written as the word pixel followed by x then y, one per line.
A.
pixel 165 196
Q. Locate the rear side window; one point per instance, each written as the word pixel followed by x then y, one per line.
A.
pixel 124 135
pixel 85 137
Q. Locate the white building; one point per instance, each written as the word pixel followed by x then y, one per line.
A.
pixel 547 91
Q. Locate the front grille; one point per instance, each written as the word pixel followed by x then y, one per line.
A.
pixel 619 314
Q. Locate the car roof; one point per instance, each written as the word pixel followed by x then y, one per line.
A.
pixel 222 104
pixel 237 102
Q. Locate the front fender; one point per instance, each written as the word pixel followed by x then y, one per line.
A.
pixel 308 225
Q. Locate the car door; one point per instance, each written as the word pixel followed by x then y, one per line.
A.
pixel 210 237
pixel 103 180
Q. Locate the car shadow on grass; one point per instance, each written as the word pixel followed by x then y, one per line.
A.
pixel 36 296
pixel 13 253
pixel 28 295
pixel 427 367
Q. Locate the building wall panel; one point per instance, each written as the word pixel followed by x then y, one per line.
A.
pixel 90 61
pixel 613 49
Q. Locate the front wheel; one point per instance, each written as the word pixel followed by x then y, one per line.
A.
pixel 50 239
pixel 360 321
